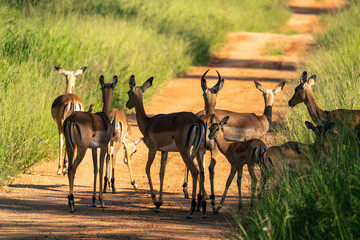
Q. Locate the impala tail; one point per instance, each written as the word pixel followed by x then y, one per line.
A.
pixel 257 153
pixel 197 135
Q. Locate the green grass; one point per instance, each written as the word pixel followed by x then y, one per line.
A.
pixel 326 203
pixel 273 49
pixel 146 38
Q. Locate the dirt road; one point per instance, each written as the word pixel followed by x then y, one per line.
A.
pixel 35 204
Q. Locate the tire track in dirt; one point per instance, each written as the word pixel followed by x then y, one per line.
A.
pixel 35 204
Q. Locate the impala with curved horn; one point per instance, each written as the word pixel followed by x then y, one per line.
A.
pixel 63 106
pixel 85 130
pixel 175 132
pixel 209 95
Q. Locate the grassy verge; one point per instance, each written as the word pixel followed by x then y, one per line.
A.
pixel 326 203
pixel 146 38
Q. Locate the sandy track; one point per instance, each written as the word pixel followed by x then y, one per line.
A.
pixel 35 204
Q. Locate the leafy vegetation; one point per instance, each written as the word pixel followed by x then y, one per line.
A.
pixel 326 203
pixel 146 38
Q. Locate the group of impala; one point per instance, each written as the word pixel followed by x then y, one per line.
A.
pixel 189 134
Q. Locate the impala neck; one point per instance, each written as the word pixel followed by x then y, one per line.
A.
pixel 210 103
pixel 140 114
pixel 314 110
pixel 223 145
pixel 268 113
pixel 68 88
pixel 107 96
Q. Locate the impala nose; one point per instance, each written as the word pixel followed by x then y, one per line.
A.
pixel 291 104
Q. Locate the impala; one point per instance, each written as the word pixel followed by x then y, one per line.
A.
pixel 303 93
pixel 294 156
pixel 63 106
pixel 209 95
pixel 246 126
pixel 175 132
pixel 120 135
pixel 85 130
pixel 238 154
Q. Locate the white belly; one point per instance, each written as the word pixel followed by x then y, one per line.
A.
pixel 170 148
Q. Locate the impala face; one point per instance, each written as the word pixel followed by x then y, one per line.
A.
pixel 269 93
pixel 216 127
pixel 300 91
pixel 70 77
pixel 135 91
pixel 210 94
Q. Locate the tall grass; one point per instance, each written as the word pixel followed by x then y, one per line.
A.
pixel 326 203
pixel 146 38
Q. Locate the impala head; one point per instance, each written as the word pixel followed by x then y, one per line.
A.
pixel 210 94
pixel 305 84
pixel 135 91
pixel 130 148
pixel 269 93
pixel 107 88
pixel 322 133
pixel 70 77
pixel 216 127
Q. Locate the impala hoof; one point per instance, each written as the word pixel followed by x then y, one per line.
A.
pixel 157 210
pixel 59 172
pixel 189 216
pixel 204 216
pixel 135 186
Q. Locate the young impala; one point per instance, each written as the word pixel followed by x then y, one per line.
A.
pixel 175 132
pixel 296 156
pixel 238 154
pixel 63 106
pixel 85 130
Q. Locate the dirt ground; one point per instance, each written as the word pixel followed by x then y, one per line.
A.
pixel 35 204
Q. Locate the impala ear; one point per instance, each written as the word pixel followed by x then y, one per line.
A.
pixel 311 81
pixel 310 126
pixel 259 87
pixel 101 80
pixel 278 88
pixel 79 71
pixel 147 84
pixel 115 81
pixel 224 121
pixel 220 84
pixel 61 70
pixel 132 82
pixel 303 77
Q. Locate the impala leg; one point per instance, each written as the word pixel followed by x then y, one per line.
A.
pixel 71 173
pixel 151 157
pixel 94 157
pixel 194 173
pixel 239 176
pixel 263 180
pixel 228 182
pixel 114 156
pixel 214 153
pixel 61 143
pixel 107 172
pixel 126 160
pixel 102 157
pixel 164 156
pixel 200 158
pixel 253 183
pixel 185 184
pixel 65 162
pixel 202 193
